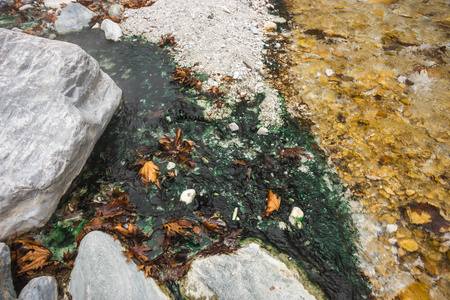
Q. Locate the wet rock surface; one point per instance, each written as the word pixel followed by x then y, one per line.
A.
pixel 373 77
pixel 250 273
pixel 40 288
pixel 6 284
pixel 101 272
pixel 56 102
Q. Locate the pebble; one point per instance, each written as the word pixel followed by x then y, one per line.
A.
pixel 270 26
pixel 296 217
pixel 254 30
pixel 391 228
pixel 236 75
pixel 262 131
pixel 187 196
pixel 233 127
pixel 235 212
pixel 112 30
pixel 329 72
pixel 171 165
pixel 26 7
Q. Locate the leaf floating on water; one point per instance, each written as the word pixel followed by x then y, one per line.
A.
pixel 149 172
pixel 273 204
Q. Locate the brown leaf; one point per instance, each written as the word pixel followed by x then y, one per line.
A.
pixel 138 252
pixel 295 153
pixel 149 173
pixel 30 255
pixel 239 162
pixel 273 204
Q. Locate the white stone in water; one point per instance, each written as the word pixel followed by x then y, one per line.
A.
pixel 262 131
pixel 235 212
pixel 296 216
pixel 112 30
pixel 171 165
pixel 233 127
pixel 329 72
pixel 187 196
pixel 391 228
pixel 282 225
pixel 26 7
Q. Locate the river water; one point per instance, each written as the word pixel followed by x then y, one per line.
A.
pixel 373 78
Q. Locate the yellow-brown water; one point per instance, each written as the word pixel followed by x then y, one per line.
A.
pixel 373 77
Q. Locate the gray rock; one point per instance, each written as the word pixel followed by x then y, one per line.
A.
pixel 101 272
pixel 26 7
pixel 6 2
pixel 251 273
pixel 73 17
pixel 6 285
pixel 233 127
pixel 115 11
pixel 40 288
pixel 112 30
pixel 56 102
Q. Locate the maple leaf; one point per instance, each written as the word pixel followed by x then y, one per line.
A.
pixel 149 172
pixel 169 39
pixel 273 204
pixel 214 224
pixel 215 92
pixel 30 255
pixel 177 148
pixel 117 206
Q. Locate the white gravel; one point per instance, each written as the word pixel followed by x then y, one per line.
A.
pixel 217 37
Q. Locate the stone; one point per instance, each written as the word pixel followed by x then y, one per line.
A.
pixel 262 131
pixel 233 127
pixel 171 165
pixel 254 30
pixel 56 102
pixel 112 30
pixel 270 26
pixel 296 217
pixel 6 284
pixel 409 245
pixel 40 288
pixel 6 3
pixel 26 7
pixel 116 11
pixel 187 196
pixel 102 272
pixel 391 228
pixel 250 273
pixel 73 17
pixel 56 3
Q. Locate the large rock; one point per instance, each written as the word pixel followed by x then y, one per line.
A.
pixel 40 288
pixel 6 285
pixel 101 272
pixel 55 104
pixel 73 17
pixel 251 273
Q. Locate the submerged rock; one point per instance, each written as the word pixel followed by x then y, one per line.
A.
pixel 250 273
pixel 102 272
pixel 6 284
pixel 188 196
pixel 73 17
pixel 40 288
pixel 56 102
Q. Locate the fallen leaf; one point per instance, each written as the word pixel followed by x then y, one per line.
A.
pixel 138 252
pixel 149 173
pixel 273 204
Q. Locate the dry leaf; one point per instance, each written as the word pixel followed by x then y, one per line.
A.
pixel 149 173
pixel 273 204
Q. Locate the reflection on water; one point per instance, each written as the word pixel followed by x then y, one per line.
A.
pixel 373 76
